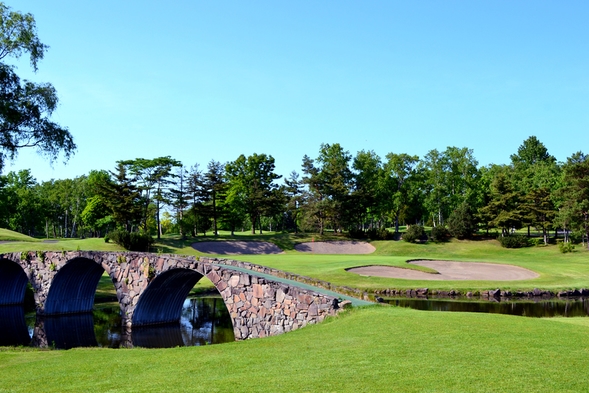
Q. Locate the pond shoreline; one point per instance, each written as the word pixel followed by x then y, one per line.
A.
pixel 488 295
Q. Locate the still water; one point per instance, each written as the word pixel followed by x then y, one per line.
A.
pixel 205 320
pixel 528 308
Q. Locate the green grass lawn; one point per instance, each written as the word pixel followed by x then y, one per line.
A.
pixel 378 348
pixel 557 271
pixel 372 349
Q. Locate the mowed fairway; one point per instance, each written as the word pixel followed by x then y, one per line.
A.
pixel 557 271
pixel 373 349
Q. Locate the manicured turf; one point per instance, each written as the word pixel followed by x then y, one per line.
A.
pixel 557 271
pixel 366 350
pixel 370 349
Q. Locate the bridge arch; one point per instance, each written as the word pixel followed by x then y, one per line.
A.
pixel 66 282
pixel 73 287
pixel 13 282
pixel 162 300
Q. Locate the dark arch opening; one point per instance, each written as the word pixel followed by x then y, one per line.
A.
pixel 162 300
pixel 74 287
pixel 13 283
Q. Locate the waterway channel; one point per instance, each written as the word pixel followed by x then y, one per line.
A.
pixel 541 308
pixel 205 320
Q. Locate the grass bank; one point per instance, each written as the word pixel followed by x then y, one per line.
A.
pixel 364 350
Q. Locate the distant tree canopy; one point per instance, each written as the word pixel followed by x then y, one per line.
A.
pixel 26 107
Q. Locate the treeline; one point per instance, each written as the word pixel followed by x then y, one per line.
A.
pixel 362 194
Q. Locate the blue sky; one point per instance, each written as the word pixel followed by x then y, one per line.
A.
pixel 202 80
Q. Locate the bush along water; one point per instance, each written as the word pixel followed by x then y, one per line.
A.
pixel 132 241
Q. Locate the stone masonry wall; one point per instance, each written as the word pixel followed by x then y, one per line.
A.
pixel 259 307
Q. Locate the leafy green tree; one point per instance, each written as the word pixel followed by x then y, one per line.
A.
pixel 195 215
pixel 462 222
pixel 96 216
pixel 329 182
pixel 539 210
pixel 179 197
pixel 154 177
pixel 535 172
pixel 504 210
pixel 530 152
pixel 295 198
pixel 575 193
pixel 251 185
pixel 23 202
pixel 122 198
pixel 25 107
pixel 450 179
pixel 214 189
pixel 367 200
pixel 399 171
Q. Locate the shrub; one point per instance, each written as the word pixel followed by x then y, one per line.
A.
pixel 537 241
pixel 576 237
pixel 414 233
pixel 106 238
pixel 380 234
pixel 514 241
pixel 132 241
pixel 357 234
pixel 439 234
pixel 372 234
pixel 566 247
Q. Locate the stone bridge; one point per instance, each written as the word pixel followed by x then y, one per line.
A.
pixel 151 289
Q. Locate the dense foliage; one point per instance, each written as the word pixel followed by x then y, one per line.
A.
pixel 415 233
pixel 25 106
pixel 132 241
pixel 360 195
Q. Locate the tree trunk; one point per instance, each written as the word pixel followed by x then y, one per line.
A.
pixel 157 217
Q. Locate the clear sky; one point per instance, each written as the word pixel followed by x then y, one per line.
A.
pixel 202 80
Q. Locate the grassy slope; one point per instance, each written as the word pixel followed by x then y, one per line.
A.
pixel 7 235
pixel 366 350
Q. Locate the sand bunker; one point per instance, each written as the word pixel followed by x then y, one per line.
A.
pixel 450 271
pixel 236 248
pixel 337 247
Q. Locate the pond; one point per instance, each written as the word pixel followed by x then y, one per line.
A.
pixel 205 320
pixel 541 308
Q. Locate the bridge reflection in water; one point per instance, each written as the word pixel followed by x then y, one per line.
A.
pixel 205 320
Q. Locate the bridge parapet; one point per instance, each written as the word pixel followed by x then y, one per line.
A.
pixel 151 288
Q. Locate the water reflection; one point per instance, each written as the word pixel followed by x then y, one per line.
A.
pixel 66 331
pixel 13 329
pixel 540 309
pixel 205 320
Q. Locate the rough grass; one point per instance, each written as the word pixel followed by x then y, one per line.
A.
pixel 366 350
pixel 6 235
